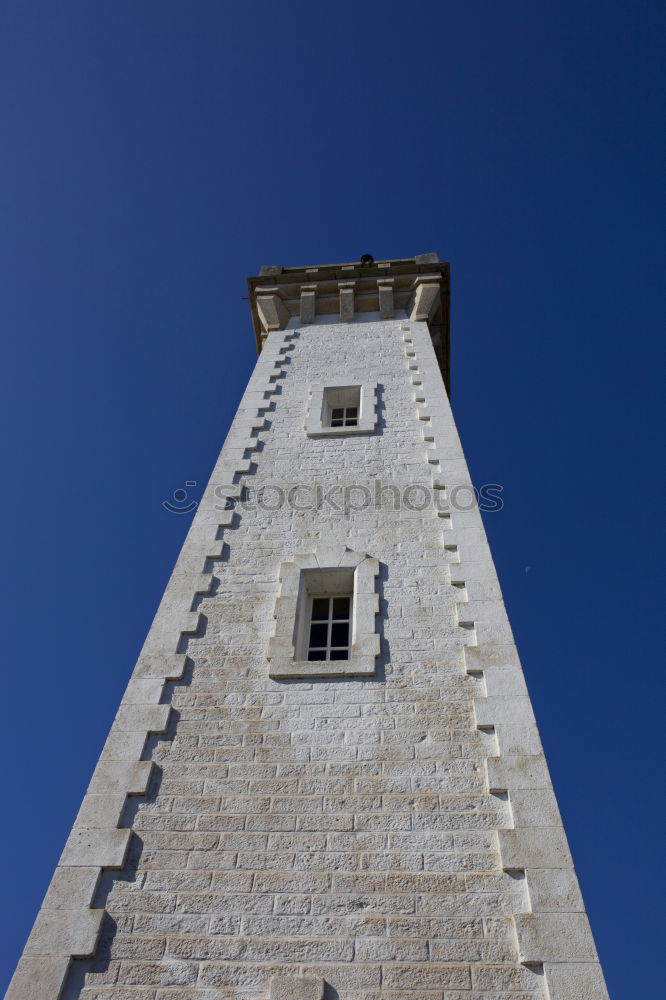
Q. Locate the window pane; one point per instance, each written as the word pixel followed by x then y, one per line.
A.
pixel 316 654
pixel 339 654
pixel 352 411
pixel 341 607
pixel 337 414
pixel 319 609
pixel 318 635
pixel 337 423
pixel 352 422
pixel 339 634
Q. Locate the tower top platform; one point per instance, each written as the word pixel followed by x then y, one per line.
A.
pixel 417 287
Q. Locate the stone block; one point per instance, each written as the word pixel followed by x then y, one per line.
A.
pixel 507 711
pixel 498 632
pixel 40 978
pixel 426 975
pixel 512 978
pixel 575 981
pixel 516 740
pixel 101 812
pixel 513 773
pixel 65 932
pixel 122 745
pixel 386 304
pixel 534 848
pixel 296 988
pixel 272 311
pixel 330 555
pixel 554 890
pixel 490 612
pixel 504 683
pixel 86 848
pixel 142 718
pixel 534 807
pixel 166 664
pixel 554 937
pixel 132 778
pixel 426 298
pixel 308 303
pixel 346 289
pixel 187 623
pixel 72 888
pixel 144 691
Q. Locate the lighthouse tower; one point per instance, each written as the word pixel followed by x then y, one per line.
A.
pixel 325 779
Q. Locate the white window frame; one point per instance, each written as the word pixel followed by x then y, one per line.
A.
pixel 317 421
pixel 347 419
pixel 327 647
pixel 329 570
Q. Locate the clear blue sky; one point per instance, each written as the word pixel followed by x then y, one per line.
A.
pixel 157 152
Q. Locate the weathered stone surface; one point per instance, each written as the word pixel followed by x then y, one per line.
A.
pixel 346 289
pixel 65 932
pixel 296 988
pixel 554 937
pixel 272 311
pixel 106 848
pixel 554 890
pixel 301 828
pixel 579 981
pixel 38 977
pixel 534 848
pixel 72 888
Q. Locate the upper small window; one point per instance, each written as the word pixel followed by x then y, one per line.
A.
pixel 342 406
pixel 344 416
pixel 341 409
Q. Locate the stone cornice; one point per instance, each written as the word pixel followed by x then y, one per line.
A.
pixel 417 286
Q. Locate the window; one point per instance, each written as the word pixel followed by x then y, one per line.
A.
pixel 345 416
pixel 323 621
pixel 341 406
pixel 325 615
pixel 330 621
pixel 341 409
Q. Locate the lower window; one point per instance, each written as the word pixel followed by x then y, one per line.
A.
pixel 325 615
pixel 330 628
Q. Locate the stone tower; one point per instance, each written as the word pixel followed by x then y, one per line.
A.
pixel 325 778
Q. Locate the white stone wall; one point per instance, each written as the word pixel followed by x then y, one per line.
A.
pixel 391 837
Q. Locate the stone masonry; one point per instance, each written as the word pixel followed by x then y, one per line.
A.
pixel 387 835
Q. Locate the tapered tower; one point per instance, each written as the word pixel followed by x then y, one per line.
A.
pixel 325 777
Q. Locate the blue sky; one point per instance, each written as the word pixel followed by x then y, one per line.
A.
pixel 157 153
